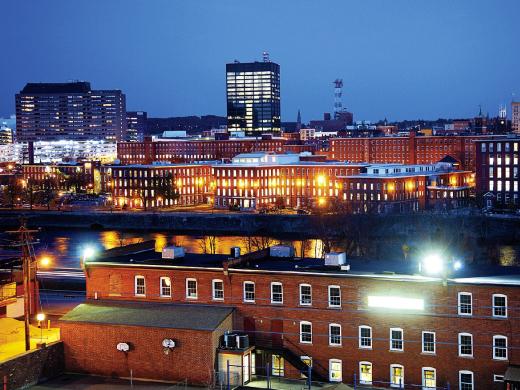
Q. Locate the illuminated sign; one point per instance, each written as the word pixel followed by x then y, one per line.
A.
pixel 395 303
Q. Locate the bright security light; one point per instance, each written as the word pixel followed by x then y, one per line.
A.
pixel 395 303
pixel 432 264
pixel 88 252
pixel 40 317
pixel 457 265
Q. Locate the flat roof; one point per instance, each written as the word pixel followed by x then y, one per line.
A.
pixel 150 315
pixel 392 270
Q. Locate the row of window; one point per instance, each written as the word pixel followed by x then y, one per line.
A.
pixel 396 340
pixel 465 299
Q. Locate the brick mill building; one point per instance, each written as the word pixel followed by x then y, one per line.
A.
pixel 352 324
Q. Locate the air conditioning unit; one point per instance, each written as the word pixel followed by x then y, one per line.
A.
pixel 173 252
pixel 335 258
pixel 235 252
pixel 230 340
pixel 281 251
pixel 242 341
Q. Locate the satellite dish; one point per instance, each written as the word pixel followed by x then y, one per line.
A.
pixel 168 343
pixel 123 347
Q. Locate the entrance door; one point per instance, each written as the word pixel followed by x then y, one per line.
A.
pixel 245 369
pixel 277 333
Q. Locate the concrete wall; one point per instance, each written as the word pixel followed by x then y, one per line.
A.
pixel 34 366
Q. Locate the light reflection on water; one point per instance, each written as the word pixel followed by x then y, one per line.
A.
pixel 66 246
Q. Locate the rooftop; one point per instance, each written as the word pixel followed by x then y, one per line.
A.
pixel 75 87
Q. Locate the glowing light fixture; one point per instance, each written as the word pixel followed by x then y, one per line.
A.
pixel 88 252
pixel 457 265
pixel 432 264
pixel 395 303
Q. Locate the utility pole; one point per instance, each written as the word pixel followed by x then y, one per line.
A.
pixel 28 258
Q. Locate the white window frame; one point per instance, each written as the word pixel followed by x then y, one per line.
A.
pixel 398 385
pixel 434 342
pixel 213 290
pixel 333 378
pixel 340 335
pixel 335 306
pixel 459 305
pixel 360 343
pixel 140 277
pixel 424 387
pixel 248 282
pixel 302 341
pixel 402 339
pixel 495 348
pixel 472 378
pixel 460 345
pixel 300 294
pixel 361 381
pixel 188 296
pixel 272 293
pixel 498 378
pixel 162 295
pixel 494 306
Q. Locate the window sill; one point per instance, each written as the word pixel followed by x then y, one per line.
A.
pixel 467 356
pixel 165 296
pixel 429 353
pixel 192 298
pixel 396 350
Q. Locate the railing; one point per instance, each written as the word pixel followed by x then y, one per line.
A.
pixel 389 385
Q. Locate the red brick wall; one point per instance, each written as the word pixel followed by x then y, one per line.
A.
pixel 91 348
pixel 441 317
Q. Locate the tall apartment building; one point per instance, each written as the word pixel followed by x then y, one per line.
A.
pixel 515 117
pixel 69 111
pixel 136 125
pixel 253 97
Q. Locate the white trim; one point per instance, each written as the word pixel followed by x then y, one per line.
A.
pixel 360 338
pixel 499 336
pixel 213 297
pixel 272 295
pixel 300 294
pixel 361 381
pixel 402 339
pixel 493 305
pixel 424 387
pixel 398 385
pixel 498 378
pixel 135 285
pixel 196 288
pixel 340 335
pixel 248 282
pixel 434 342
pixel 335 378
pixel 161 287
pixel 460 345
pixel 301 332
pixel 459 305
pixel 329 300
pixel 472 378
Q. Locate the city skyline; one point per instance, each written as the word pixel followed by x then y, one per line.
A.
pixel 382 56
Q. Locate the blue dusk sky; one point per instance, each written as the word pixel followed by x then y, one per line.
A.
pixel 400 59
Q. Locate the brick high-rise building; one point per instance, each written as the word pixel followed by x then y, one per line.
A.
pixel 69 111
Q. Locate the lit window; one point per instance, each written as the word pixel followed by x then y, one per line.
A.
pixel 140 286
pixel 277 365
pixel 396 339
pixel 335 334
pixel 428 342
pixel 249 291
pixel 465 344
pixel 305 332
pixel 276 292
pixel 429 378
pixel 166 287
pixel 365 373
pixel 465 380
pixel 465 304
pixel 334 296
pixel 365 337
pixel 499 305
pixel 217 289
pixel 396 375
pixel 335 370
pixel 500 347
pixel 305 294
pixel 191 288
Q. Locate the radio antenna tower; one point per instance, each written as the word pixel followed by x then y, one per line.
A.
pixel 338 92
pixel 265 56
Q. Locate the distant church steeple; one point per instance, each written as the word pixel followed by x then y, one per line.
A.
pixel 299 121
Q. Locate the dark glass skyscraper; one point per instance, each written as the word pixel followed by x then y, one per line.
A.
pixel 253 97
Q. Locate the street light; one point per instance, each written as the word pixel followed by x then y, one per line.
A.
pixel 40 317
pixel 432 264
pixel 45 261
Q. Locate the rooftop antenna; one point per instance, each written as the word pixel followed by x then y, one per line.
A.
pixel 338 92
pixel 502 111
pixel 265 56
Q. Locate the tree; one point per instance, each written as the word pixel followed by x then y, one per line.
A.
pixel 49 188
pixel 166 187
pixel 75 180
pixel 30 192
pixel 12 191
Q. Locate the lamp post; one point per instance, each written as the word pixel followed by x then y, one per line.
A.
pixel 40 317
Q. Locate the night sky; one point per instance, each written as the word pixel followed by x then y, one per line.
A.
pixel 400 59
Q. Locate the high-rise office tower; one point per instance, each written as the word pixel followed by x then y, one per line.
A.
pixel 69 111
pixel 135 125
pixel 515 117
pixel 253 96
